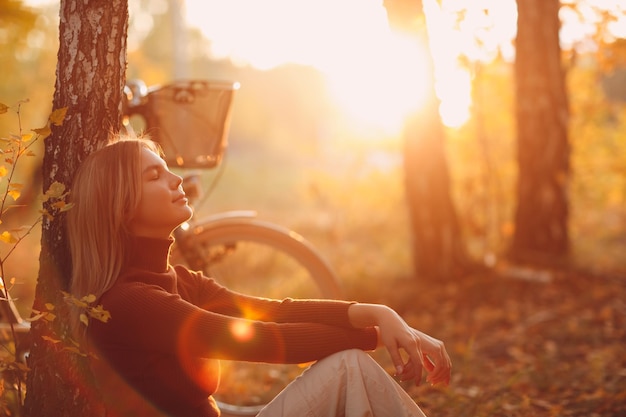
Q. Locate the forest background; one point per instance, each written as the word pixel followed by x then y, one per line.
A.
pixel 298 159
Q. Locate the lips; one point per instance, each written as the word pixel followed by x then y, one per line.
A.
pixel 180 197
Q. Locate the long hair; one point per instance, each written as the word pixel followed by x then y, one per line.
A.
pixel 105 193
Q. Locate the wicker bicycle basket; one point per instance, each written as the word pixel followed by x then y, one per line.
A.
pixel 190 120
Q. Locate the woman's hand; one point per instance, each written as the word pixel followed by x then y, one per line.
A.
pixel 423 351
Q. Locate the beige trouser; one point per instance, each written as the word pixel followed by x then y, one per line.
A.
pixel 346 384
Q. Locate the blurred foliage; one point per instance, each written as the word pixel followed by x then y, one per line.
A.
pixel 521 348
pixel 28 47
pixel 287 113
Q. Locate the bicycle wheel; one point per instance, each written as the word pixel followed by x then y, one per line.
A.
pixel 259 258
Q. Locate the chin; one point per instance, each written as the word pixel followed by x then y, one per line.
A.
pixel 187 217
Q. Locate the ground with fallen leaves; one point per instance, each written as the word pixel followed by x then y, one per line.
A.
pixel 550 343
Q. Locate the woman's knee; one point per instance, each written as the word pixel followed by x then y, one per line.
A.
pixel 354 358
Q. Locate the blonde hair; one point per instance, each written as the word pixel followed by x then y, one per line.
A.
pixel 105 193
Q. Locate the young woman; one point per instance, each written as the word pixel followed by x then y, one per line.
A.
pixel 159 353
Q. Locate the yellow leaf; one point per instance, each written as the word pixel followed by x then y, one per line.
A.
pixel 60 205
pixel 84 319
pixel 35 317
pixel 66 207
pixel 26 137
pixel 3 108
pixel 50 306
pixel 57 116
pixel 50 339
pixel 89 298
pixel 44 132
pixel 15 194
pixel 7 237
pixel 56 190
pixel 3 171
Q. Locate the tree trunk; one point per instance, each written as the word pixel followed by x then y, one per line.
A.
pixel 438 247
pixel 543 150
pixel 90 79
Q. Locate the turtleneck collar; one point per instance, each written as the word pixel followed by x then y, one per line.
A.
pixel 150 254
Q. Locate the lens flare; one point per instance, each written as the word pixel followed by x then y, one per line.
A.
pixel 242 330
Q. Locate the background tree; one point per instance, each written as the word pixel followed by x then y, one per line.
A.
pixel 543 151
pixel 90 79
pixel 438 247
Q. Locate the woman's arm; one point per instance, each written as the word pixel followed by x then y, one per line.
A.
pixel 396 335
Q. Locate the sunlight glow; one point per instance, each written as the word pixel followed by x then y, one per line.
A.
pixel 381 92
pixel 375 75
pixel 455 97
pixel 242 330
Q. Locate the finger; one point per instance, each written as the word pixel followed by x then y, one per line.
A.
pixel 408 372
pixel 441 370
pixel 415 356
pixel 428 363
pixel 396 359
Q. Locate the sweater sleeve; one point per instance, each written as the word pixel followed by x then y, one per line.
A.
pixel 228 325
pixel 214 297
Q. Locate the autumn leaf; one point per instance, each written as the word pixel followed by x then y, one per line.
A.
pixel 3 171
pixel 99 313
pixel 37 316
pixel 7 237
pixel 44 132
pixel 57 116
pixel 14 194
pixel 3 108
pixel 56 190
pixel 50 339
pixel 89 298
pixel 62 206
pixel 15 190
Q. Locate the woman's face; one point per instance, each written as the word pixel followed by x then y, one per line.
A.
pixel 163 205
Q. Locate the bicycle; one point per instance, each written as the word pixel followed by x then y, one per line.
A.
pixel 234 247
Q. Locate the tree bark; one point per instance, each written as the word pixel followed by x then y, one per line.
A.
pixel 438 248
pixel 90 79
pixel 543 150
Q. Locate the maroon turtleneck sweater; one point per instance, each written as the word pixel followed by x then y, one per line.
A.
pixel 169 327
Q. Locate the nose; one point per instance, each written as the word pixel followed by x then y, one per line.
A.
pixel 177 180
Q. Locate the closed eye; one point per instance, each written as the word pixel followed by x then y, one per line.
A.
pixel 152 174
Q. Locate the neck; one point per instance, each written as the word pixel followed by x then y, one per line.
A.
pixel 149 253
